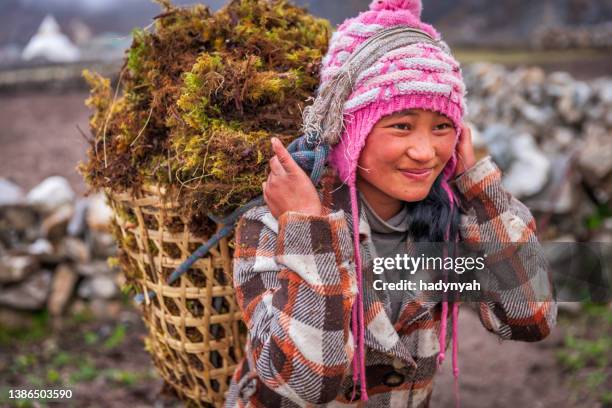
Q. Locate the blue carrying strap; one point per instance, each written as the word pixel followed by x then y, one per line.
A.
pixel 310 156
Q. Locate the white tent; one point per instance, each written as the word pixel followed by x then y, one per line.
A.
pixel 49 43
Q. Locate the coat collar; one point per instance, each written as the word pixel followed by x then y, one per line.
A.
pixel 382 334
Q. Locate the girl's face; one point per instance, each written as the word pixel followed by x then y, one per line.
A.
pixel 404 154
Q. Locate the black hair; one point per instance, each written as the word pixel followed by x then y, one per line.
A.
pixel 430 217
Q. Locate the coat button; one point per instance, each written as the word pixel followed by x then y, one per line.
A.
pixel 393 379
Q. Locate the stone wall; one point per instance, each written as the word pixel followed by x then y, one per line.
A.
pixel 551 135
pixel 53 251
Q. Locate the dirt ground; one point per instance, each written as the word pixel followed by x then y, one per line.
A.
pixel 494 373
pixel 39 138
pixel 104 363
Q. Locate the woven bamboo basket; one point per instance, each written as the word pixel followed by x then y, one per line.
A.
pixel 195 331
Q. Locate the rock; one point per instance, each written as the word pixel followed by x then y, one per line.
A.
pixel 78 307
pixel 536 115
pixel 44 251
pixel 16 268
pixel 99 214
pixel 498 139
pixel 597 113
pixel 93 268
pixel 532 82
pixel 10 193
pixel 604 87
pixel 563 136
pixel 528 173
pixel 40 247
pixel 573 100
pixel 595 157
pixel 51 194
pixel 54 226
pixel 105 309
pixel 98 287
pixel 19 219
pixel 103 245
pixel 30 294
pixel 489 76
pixel 570 308
pixel 75 250
pixel 558 82
pixel 608 118
pixel 559 196
pixel 77 225
pixel 64 281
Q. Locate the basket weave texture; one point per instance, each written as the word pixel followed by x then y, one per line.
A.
pixel 195 330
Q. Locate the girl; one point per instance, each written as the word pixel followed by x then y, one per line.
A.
pixel 401 169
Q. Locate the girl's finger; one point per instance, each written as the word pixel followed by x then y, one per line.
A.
pixel 266 195
pixel 468 132
pixel 276 168
pixel 284 157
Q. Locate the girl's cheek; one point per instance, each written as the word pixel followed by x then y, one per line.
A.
pixel 392 148
pixel 381 150
pixel 446 148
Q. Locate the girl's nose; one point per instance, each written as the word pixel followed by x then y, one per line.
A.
pixel 422 149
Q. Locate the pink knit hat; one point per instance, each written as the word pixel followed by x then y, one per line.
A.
pixel 383 61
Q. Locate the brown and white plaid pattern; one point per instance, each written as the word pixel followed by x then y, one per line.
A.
pixel 295 284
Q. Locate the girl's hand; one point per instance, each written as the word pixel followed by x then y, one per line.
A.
pixel 288 187
pixel 465 151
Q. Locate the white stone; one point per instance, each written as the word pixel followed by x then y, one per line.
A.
pixel 16 268
pixel 76 226
pixel 498 139
pixel 98 287
pixel 564 136
pixel 528 173
pixel 10 193
pixel 596 153
pixel 31 294
pixel 604 86
pixel 54 225
pixel 99 214
pixel 40 247
pixel 51 194
pixel 537 115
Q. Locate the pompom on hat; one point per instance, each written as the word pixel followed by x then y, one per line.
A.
pixel 383 61
pixel 414 7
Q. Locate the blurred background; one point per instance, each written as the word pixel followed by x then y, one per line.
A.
pixel 539 78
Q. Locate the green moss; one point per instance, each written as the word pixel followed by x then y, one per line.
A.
pixel 198 100
pixel 137 54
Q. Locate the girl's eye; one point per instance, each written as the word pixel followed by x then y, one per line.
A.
pixel 443 126
pixel 402 126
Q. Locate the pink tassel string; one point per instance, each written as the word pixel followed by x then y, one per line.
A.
pixel 359 328
pixel 455 312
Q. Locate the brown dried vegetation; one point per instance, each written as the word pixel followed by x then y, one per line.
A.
pixel 198 99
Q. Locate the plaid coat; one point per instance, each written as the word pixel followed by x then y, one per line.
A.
pixel 295 284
